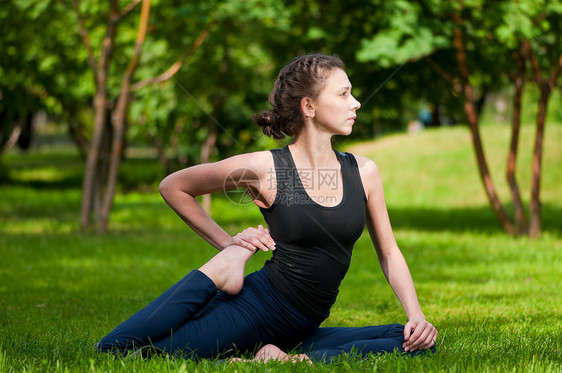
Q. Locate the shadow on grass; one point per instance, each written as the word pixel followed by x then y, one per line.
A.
pixel 34 200
pixel 72 181
pixel 474 219
pixel 481 219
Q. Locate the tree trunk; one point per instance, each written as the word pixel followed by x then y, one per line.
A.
pixel 118 121
pixel 102 173
pixel 519 212
pixel 26 135
pixel 535 204
pixel 479 104
pixel 90 192
pixel 97 196
pixel 92 161
pixel 206 151
pixel 472 117
pixel 435 117
pixel 546 86
pixel 14 133
pixel 209 144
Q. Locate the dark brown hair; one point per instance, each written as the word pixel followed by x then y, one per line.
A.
pixel 303 77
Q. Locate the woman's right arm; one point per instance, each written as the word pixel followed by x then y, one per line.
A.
pixel 180 189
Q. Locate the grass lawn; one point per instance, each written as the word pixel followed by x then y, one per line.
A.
pixel 495 299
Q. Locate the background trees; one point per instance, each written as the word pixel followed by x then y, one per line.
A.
pixel 478 47
pixel 185 78
pixel 41 68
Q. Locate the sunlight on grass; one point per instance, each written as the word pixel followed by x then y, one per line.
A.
pixel 44 174
pixel 439 166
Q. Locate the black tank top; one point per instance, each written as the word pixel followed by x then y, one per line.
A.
pixel 313 242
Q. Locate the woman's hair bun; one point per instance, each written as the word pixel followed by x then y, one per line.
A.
pixel 269 123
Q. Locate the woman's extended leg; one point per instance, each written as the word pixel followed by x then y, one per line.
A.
pixel 324 344
pixel 225 272
pixel 327 343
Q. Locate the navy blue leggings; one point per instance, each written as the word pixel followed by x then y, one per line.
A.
pixel 193 319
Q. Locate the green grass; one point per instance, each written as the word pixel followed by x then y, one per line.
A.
pixel 494 299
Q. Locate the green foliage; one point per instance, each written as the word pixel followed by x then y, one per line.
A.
pixel 217 84
pixel 517 22
pixel 492 31
pixel 494 299
pixel 404 37
pixel 44 63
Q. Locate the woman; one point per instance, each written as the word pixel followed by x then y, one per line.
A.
pixel 316 202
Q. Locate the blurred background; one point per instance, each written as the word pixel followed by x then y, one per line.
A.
pixel 178 82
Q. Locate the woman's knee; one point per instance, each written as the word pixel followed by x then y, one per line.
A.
pixel 395 331
pixel 118 341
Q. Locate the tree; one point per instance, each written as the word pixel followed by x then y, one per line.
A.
pixel 225 70
pixel 526 27
pixel 106 149
pixel 475 35
pixel 39 67
pixel 546 83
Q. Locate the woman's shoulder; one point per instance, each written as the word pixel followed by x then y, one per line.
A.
pixel 244 169
pixel 368 171
pixel 258 161
pixel 366 165
pixel 254 157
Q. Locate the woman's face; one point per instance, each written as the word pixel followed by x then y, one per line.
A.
pixel 335 106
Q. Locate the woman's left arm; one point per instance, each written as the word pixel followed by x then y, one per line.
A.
pixel 418 333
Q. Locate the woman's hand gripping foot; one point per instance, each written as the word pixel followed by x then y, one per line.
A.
pixel 226 269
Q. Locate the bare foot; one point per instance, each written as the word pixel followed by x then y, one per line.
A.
pixel 272 352
pixel 226 269
pixel 239 360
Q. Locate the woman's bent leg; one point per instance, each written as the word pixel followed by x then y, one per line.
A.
pixel 158 320
pixel 240 323
pixel 165 314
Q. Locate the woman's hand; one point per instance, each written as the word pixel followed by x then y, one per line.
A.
pixel 254 238
pixel 418 335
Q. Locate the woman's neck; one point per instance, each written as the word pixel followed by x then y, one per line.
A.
pixel 313 152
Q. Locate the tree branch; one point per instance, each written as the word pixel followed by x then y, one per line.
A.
pixel 85 39
pixel 534 62
pixel 445 75
pixel 119 117
pixel 557 72
pixel 172 70
pixel 126 10
pixel 143 25
pixel 108 40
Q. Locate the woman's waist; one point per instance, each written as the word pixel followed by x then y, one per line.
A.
pixel 310 297
pixel 265 289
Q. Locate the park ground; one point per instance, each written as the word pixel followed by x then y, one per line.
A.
pixel 495 299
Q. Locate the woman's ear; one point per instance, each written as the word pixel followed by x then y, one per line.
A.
pixel 307 107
